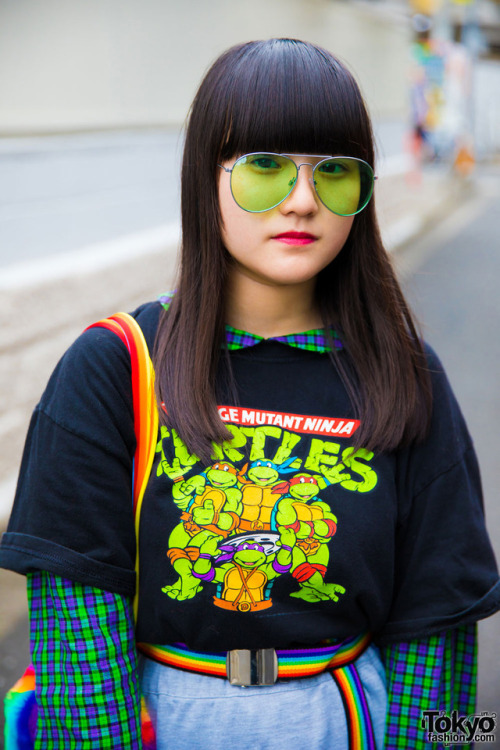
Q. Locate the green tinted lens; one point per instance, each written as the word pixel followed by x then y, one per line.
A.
pixel 261 181
pixel 344 184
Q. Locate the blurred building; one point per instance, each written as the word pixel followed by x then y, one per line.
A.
pixel 77 65
pixel 474 22
pixel 70 65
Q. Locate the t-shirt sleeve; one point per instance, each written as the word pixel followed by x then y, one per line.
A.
pixel 72 512
pixel 445 571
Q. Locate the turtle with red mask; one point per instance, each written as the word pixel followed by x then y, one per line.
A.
pixel 314 525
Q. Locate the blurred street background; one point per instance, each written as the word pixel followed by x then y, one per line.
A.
pixel 93 96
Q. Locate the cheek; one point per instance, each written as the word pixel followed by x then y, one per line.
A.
pixel 337 231
pixel 233 225
pixel 240 230
pixel 340 228
pixel 232 216
pixel 225 197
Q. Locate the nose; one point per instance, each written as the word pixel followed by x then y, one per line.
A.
pixel 303 199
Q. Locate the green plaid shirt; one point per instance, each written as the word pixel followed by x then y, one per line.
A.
pixel 85 660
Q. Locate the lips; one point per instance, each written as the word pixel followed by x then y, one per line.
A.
pixel 295 238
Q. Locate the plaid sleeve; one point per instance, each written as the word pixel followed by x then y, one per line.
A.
pixel 83 651
pixel 434 673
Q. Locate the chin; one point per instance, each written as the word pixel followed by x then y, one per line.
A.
pixel 295 279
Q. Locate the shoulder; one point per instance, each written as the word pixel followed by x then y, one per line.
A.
pixel 448 443
pixel 434 363
pixel 148 316
pixel 446 412
pixel 95 371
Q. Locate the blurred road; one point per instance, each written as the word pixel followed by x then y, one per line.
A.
pixel 451 277
pixel 61 193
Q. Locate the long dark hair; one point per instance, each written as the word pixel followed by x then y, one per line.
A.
pixel 286 95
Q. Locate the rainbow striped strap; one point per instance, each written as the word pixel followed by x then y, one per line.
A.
pixel 145 413
pixel 359 724
pixel 339 658
pixel 292 663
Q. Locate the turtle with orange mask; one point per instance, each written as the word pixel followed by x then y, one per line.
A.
pixel 212 506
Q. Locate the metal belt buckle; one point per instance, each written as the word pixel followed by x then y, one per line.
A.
pixel 255 667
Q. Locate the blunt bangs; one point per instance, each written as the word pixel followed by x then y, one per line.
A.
pixel 288 96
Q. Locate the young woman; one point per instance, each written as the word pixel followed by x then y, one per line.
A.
pixel 312 544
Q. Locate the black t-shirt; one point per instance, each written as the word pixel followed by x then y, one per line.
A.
pixel 288 537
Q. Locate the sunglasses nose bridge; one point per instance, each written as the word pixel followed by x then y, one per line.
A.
pixel 295 182
pixel 310 177
pixel 304 164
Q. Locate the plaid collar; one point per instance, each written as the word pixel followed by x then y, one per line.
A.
pixel 312 341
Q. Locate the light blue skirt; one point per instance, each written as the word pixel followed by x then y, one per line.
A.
pixel 196 712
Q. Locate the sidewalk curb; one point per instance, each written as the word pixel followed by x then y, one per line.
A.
pixel 409 229
pixel 91 259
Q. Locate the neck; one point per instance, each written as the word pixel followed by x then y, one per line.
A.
pixel 269 311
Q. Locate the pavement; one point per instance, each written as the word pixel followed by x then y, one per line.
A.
pixel 47 302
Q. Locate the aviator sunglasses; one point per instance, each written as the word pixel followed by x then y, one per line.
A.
pixel 261 181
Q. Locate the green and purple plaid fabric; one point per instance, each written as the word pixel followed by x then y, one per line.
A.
pixel 313 340
pixel 436 673
pixel 85 661
pixel 82 642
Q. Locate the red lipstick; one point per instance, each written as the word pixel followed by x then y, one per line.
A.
pixel 295 238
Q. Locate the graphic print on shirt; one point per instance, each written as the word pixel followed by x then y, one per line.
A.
pixel 258 511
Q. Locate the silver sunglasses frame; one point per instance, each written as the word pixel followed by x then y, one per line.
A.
pixel 322 157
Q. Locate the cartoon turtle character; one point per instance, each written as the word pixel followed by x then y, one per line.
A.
pixel 221 475
pixel 314 525
pixel 258 493
pixel 212 510
pixel 246 568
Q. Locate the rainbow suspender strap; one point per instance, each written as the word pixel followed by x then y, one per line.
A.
pixel 359 724
pixel 146 434
pixel 21 713
pixel 145 413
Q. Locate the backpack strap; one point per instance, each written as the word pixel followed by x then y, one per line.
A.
pixel 145 414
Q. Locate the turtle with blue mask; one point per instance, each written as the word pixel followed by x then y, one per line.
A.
pixel 257 483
